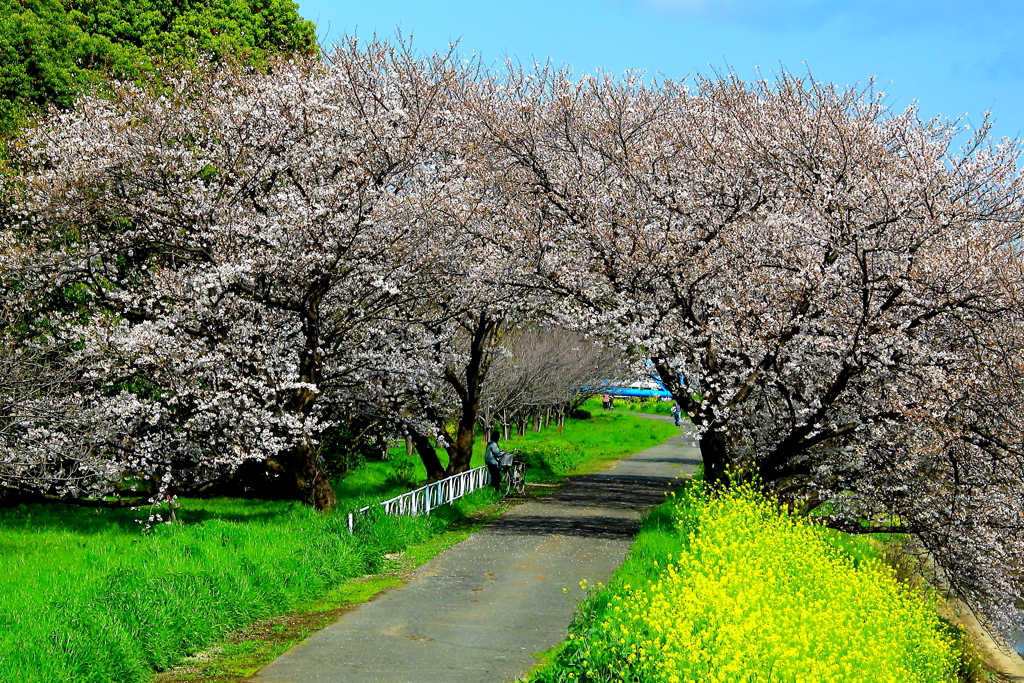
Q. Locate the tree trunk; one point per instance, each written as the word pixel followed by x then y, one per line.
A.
pixel 671 380
pixel 298 469
pixel 713 447
pixel 461 451
pixel 487 422
pixel 299 475
pixel 467 384
pixel 715 455
pixel 428 454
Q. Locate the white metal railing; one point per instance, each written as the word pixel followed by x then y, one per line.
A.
pixel 426 498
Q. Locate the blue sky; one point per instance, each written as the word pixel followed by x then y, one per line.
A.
pixel 954 58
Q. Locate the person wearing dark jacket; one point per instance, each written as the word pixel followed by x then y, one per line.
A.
pixel 492 458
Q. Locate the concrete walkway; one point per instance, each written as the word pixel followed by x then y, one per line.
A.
pixel 1007 663
pixel 478 611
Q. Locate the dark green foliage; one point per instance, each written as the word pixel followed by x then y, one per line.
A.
pixel 403 472
pixel 51 49
pixel 580 414
pixel 354 440
pixel 342 451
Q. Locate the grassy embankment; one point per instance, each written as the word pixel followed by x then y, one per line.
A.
pixel 86 596
pixel 654 406
pixel 733 588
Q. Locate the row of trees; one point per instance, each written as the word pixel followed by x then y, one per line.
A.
pixel 225 265
pixel 235 266
pixel 543 375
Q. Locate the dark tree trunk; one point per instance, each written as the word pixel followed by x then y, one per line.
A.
pixel 468 386
pixel 714 449
pixel 714 453
pixel 299 475
pixel 297 471
pixel 681 393
pixel 428 454
pixel 380 444
pixel 461 451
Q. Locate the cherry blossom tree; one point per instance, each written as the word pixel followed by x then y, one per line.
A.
pixel 831 291
pixel 478 292
pixel 48 434
pixel 242 242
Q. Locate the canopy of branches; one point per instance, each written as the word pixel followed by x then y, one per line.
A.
pixel 831 290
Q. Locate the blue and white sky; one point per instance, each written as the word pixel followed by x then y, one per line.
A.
pixel 953 58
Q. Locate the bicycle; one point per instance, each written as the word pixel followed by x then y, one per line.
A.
pixel 513 473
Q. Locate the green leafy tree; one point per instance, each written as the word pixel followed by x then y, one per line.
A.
pixel 50 50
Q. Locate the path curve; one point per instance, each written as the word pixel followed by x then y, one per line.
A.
pixel 479 610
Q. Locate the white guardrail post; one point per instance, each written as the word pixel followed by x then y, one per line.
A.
pixel 433 495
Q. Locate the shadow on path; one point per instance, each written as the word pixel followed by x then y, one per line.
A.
pixel 629 492
pixel 616 528
pixel 477 611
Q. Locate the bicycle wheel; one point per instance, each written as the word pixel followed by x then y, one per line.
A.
pixel 519 477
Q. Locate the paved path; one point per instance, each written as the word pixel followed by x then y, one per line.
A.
pixel 1009 664
pixel 477 611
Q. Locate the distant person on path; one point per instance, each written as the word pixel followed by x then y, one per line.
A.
pixel 492 458
pixel 676 414
pixel 606 401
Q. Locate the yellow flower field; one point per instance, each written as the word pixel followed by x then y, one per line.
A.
pixel 754 594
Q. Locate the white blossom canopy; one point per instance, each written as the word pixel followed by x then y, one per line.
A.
pixel 830 290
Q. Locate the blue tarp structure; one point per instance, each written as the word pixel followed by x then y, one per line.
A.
pixel 649 388
pixel 631 392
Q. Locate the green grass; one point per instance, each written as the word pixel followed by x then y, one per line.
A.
pixel 732 588
pixel 655 406
pixel 102 602
pixel 586 445
pixel 86 596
